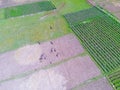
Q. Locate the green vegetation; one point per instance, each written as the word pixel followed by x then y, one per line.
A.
pixel 80 16
pixel 98 38
pixel 99 44
pixel 68 6
pixel 115 80
pixel 29 30
pixel 27 9
pixel 19 31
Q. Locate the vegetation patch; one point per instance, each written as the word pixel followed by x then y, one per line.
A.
pixel 100 36
pixel 27 9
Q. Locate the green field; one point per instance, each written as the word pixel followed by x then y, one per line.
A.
pixel 83 15
pixel 97 37
pixel 115 80
pixel 27 9
pixel 30 31
pixel 19 31
pixel 99 44
pixel 68 6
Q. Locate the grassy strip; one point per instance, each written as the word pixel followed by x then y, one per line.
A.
pixel 71 5
pixel 27 9
pixel 88 82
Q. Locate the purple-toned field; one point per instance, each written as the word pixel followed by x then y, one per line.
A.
pixel 112 6
pixel 77 71
pixel 65 76
pixel 39 55
pixel 7 3
pixel 100 84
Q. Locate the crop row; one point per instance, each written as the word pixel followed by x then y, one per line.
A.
pixel 115 80
pixel 101 44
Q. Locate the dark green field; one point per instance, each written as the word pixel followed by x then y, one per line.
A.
pixel 27 9
pixel 95 30
pixel 115 80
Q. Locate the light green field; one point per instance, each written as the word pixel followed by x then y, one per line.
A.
pixel 69 6
pixel 20 31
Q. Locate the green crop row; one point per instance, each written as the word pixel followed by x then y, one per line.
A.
pixel 115 80
pixel 99 44
pixel 100 36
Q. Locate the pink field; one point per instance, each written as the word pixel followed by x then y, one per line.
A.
pixel 118 15
pixel 101 84
pixel 78 70
pixel 64 76
pixel 65 47
pixel 112 8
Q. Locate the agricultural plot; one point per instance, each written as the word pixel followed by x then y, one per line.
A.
pixel 68 6
pixel 64 76
pixel 8 3
pixel 40 55
pixel 100 84
pixel 38 61
pixel 83 15
pixel 100 46
pixel 31 28
pixel 115 80
pixel 27 9
pixel 98 39
pixel 113 6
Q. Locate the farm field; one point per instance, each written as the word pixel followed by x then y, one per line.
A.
pixel 65 5
pixel 34 28
pixel 61 73
pixel 112 6
pixel 115 79
pixel 99 33
pixel 25 9
pixel 58 45
pixel 98 38
pixel 42 54
pixel 100 84
pixel 101 47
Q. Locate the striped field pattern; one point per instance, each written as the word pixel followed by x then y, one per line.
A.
pixel 99 44
pixel 98 39
pixel 115 80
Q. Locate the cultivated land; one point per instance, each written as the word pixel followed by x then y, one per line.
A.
pixel 99 34
pixel 112 6
pixel 40 52
pixel 31 29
